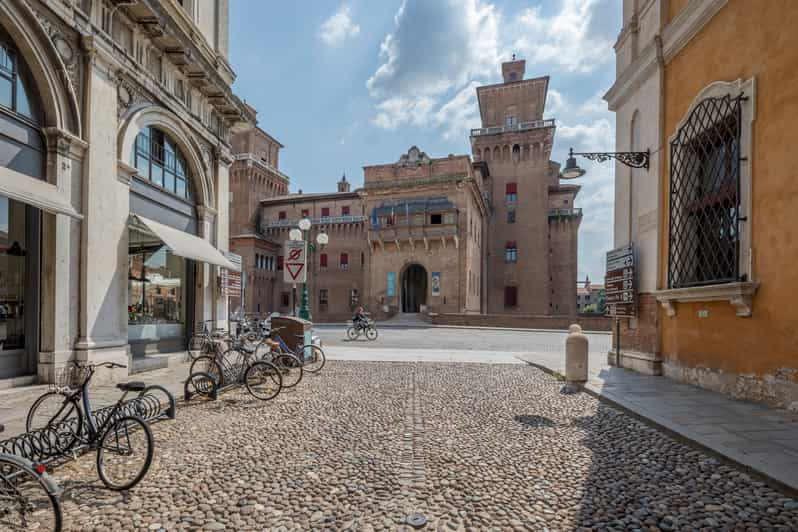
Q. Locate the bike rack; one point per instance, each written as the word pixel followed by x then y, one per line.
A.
pixel 204 384
pixel 39 446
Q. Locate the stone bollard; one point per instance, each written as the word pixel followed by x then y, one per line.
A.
pixel 575 358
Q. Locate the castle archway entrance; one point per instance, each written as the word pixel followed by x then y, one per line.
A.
pixel 414 288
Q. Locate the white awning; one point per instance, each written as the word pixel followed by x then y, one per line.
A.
pixel 186 245
pixel 35 192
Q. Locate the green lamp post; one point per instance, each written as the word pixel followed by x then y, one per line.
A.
pixel 303 234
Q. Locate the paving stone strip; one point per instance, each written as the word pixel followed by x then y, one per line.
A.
pixel 471 446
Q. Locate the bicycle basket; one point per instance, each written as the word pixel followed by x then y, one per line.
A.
pixel 70 376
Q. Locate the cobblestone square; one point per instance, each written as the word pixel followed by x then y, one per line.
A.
pixel 469 446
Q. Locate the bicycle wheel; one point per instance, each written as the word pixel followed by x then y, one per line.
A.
pixel 352 333
pixel 313 358
pixel 290 369
pixel 208 364
pixel 371 333
pixel 263 380
pixel 125 453
pixel 26 502
pixel 60 419
pixel 198 345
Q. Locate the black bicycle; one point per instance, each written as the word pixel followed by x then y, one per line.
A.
pixel 123 441
pixel 28 496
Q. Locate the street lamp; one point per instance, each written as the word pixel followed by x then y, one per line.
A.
pixel 302 234
pixel 632 159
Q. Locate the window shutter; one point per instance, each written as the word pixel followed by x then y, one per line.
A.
pixel 323 260
pixel 511 244
pixel 344 259
pixel 281 215
pixel 305 213
pixel 345 210
pixel 280 262
pixel 325 212
pixel 512 188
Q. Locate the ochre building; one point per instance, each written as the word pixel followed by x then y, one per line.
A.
pixel 491 232
pixel 709 88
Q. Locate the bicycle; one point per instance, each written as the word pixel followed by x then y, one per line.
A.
pixel 311 356
pixel 291 368
pixel 29 498
pixel 124 442
pixel 203 339
pixel 368 328
pixel 262 379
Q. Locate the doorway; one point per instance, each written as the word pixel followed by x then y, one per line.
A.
pixel 414 288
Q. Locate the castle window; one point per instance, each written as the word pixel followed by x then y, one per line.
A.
pixel 322 260
pixel 323 297
pixel 345 210
pixel 511 216
pixel 281 215
pixel 344 261
pixel 511 192
pixel 435 219
pixel 325 212
pixel 511 252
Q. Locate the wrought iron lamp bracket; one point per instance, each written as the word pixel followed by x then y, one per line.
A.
pixel 632 159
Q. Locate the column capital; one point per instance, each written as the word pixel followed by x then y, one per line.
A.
pixel 65 143
pixel 205 213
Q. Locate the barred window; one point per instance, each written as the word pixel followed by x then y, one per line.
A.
pixel 704 223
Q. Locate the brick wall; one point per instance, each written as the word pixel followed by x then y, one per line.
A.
pixel 588 323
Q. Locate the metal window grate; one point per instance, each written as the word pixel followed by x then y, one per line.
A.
pixel 705 195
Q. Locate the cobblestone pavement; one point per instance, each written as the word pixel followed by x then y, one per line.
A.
pixel 469 446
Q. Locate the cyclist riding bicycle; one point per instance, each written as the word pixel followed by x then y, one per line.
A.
pixel 360 319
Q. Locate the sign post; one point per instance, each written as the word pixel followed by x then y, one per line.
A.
pixel 621 297
pixel 296 254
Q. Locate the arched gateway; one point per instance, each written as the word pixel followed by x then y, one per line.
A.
pixel 414 288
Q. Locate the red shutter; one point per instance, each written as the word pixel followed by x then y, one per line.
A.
pixel 345 210
pixel 325 212
pixel 280 262
pixel 323 260
pixel 511 244
pixel 512 188
pixel 344 259
pixel 281 215
pixel 305 213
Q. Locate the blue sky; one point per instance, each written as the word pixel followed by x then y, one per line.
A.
pixel 347 84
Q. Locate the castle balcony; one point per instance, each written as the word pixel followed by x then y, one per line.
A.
pixel 512 128
pixel 317 222
pixel 409 236
pixel 565 213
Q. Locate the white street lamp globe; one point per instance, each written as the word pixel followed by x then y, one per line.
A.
pixel 304 224
pixel 322 239
pixel 295 234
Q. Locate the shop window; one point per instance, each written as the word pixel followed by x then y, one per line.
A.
pixel 510 296
pixel 511 192
pixel 285 299
pixel 345 210
pixel 159 160
pixel 156 284
pixel 704 205
pixel 12 274
pixel 511 252
pixel 323 260
pixel 344 261
pixel 511 216
pixel 323 297
pixel 435 219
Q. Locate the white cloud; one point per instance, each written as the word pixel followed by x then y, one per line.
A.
pixel 460 114
pixel 555 102
pixel 596 136
pixel 437 49
pixel 566 40
pixel 338 27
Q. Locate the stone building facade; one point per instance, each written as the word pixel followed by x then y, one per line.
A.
pixel 713 221
pixel 254 175
pixel 493 234
pixel 114 156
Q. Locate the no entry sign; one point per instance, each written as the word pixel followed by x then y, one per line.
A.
pixel 295 261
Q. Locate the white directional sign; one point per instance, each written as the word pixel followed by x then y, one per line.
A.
pixel 295 261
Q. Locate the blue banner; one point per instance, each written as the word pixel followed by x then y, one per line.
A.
pixel 391 292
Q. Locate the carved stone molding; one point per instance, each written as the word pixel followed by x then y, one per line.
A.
pixel 65 143
pixel 129 95
pixel 739 295
pixel 68 50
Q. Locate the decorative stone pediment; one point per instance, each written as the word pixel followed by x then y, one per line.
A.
pixel 414 157
pixel 739 295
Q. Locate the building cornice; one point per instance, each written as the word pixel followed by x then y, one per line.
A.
pixel 662 49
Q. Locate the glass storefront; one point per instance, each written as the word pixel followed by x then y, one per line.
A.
pixel 12 275
pixel 156 290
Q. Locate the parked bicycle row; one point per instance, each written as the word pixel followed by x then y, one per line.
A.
pixel 256 357
pixel 60 425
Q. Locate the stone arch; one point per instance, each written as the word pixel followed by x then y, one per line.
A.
pixel 536 150
pixel 168 122
pixel 516 153
pixel 525 154
pixel 506 152
pixel 497 154
pixel 59 103
pixel 486 157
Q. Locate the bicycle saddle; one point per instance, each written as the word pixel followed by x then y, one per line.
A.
pixel 134 386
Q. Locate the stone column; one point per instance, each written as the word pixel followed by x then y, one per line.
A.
pixel 222 161
pixel 206 273
pixel 104 233
pixel 60 257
